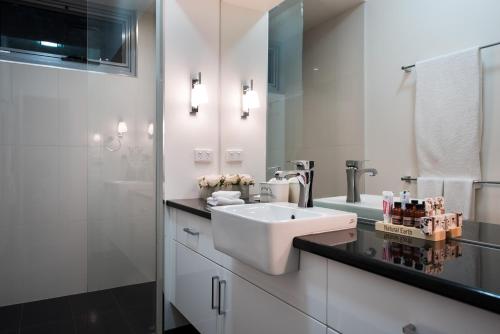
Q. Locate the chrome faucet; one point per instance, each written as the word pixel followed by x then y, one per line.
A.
pixel 354 172
pixel 305 174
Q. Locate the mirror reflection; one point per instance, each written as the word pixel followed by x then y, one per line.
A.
pixel 386 96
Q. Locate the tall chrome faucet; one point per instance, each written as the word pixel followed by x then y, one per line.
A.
pixel 354 171
pixel 305 174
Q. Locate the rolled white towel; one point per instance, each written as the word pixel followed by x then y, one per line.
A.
pixel 217 201
pixel 227 194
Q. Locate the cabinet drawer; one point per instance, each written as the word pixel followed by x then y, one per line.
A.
pixel 196 233
pixel 361 302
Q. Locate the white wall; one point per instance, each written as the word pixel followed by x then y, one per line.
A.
pixel 191 46
pixel 244 55
pixel 401 33
pixel 333 121
pixel 60 232
pixel 226 49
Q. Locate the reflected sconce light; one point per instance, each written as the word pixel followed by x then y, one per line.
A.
pixel 249 99
pixel 122 128
pixel 97 137
pixel 151 130
pixel 199 94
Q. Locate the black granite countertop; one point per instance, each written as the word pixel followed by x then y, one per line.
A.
pixel 196 206
pixel 465 269
pixel 458 269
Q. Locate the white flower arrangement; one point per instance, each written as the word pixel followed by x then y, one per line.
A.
pixel 231 180
pixel 215 180
pixel 210 181
pixel 247 180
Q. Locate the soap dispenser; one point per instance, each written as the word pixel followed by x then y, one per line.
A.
pixel 276 189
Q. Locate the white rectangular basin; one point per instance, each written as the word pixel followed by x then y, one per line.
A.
pixel 370 206
pixel 261 235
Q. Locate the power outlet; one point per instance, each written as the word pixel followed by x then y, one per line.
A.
pixel 203 155
pixel 234 155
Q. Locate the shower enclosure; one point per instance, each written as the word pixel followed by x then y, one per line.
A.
pixel 79 108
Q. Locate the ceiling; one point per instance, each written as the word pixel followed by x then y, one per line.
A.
pixel 261 5
pixel 138 5
pixel 319 11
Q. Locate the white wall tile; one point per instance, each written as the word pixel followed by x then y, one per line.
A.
pixel 72 166
pixel 39 185
pixel 73 106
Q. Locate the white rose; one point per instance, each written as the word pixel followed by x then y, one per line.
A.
pixel 231 179
pixel 247 179
pixel 202 182
pixel 213 180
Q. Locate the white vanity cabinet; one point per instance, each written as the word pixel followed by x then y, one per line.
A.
pixel 323 293
pixel 304 289
pixel 217 301
pixel 247 309
pixel 194 293
pixel 362 302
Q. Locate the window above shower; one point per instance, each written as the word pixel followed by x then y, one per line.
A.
pixel 76 34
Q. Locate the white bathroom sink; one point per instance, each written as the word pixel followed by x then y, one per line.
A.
pixel 261 235
pixel 370 206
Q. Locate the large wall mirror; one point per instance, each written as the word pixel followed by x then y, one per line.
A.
pixel 337 92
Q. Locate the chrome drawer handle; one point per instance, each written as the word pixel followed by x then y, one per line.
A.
pixel 410 329
pixel 214 279
pixel 222 297
pixel 190 231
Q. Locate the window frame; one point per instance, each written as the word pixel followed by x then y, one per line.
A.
pixel 128 17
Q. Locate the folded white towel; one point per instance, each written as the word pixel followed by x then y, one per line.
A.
pixel 227 194
pixel 448 115
pixel 459 195
pixel 429 187
pixel 217 201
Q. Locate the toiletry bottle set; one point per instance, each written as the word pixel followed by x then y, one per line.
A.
pixel 405 212
pixel 428 215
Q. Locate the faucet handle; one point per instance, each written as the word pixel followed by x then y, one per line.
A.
pixel 303 164
pixel 355 163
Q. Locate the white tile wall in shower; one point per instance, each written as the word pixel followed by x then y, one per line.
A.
pixel 54 177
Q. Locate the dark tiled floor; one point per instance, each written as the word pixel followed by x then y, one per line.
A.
pixel 124 310
pixel 183 330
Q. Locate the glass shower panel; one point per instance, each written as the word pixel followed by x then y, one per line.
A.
pixel 77 191
pixel 121 229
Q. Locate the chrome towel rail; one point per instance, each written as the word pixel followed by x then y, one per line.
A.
pixel 414 179
pixel 410 67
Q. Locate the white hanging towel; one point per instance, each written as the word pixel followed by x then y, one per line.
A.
pixel 448 115
pixel 459 194
pixel 429 187
pixel 448 125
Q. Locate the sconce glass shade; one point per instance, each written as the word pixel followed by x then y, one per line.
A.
pixel 151 129
pixel 250 100
pixel 199 95
pixel 122 128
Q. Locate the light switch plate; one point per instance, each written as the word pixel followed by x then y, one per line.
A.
pixel 234 155
pixel 203 155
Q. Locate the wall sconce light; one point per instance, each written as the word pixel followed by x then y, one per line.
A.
pixel 199 94
pixel 122 128
pixel 249 99
pixel 151 130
